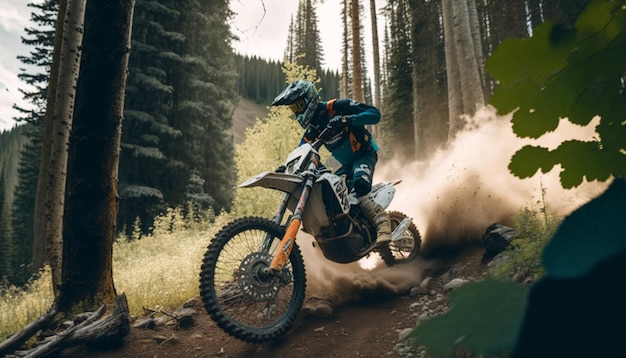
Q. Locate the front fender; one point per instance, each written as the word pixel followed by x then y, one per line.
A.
pixel 280 181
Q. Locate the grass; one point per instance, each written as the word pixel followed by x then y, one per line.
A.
pixel 534 229
pixel 162 270
pixel 20 306
pixel 158 271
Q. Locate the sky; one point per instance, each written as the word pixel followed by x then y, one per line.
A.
pixel 260 25
pixel 14 17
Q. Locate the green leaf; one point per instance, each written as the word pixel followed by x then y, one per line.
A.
pixel 526 161
pixel 507 63
pixel 589 235
pixel 567 73
pixel 535 122
pixel 486 318
pixel 581 160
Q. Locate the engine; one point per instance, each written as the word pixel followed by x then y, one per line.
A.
pixel 345 240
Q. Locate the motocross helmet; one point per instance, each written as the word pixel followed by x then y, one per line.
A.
pixel 302 98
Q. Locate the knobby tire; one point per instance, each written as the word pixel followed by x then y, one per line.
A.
pixel 245 304
pixel 404 250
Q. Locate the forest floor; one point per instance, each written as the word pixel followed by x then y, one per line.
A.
pixel 366 326
pixel 345 314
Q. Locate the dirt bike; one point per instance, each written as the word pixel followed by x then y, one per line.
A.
pixel 252 280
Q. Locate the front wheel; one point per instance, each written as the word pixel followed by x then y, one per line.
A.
pixel 240 297
pixel 406 248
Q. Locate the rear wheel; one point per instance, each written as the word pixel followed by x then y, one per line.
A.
pixel 406 248
pixel 244 301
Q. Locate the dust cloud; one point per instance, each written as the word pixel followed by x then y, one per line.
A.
pixel 368 279
pixel 460 191
pixel 452 197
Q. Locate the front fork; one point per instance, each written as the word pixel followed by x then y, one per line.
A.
pixel 286 244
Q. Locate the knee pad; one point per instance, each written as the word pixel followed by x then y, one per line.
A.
pixel 362 185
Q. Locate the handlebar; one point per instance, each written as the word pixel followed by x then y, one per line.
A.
pixel 322 137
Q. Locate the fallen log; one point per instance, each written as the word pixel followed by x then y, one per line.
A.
pixel 94 330
pixel 17 339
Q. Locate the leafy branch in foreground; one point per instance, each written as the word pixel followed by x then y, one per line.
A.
pixel 567 73
pixel 573 309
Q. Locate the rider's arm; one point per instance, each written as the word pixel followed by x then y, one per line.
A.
pixel 360 114
pixel 309 135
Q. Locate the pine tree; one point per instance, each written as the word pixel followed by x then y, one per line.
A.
pixel 179 101
pixel 308 51
pixel 430 109
pixel 149 96
pixel 41 38
pixel 204 104
pixel 23 206
pixel 6 243
pixel 397 128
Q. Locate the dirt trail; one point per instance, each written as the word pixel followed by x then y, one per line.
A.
pixel 368 326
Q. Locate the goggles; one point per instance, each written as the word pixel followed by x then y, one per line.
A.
pixel 298 106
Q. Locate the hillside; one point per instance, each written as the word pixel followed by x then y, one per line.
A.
pixel 246 113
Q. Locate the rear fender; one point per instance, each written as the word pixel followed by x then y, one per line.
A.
pixel 383 193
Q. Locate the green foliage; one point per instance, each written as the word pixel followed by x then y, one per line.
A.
pixel 556 73
pixel 305 37
pixel 15 226
pixel 160 270
pixel 486 318
pixel 266 147
pixel 534 229
pixel 260 80
pixel 567 73
pixel 22 305
pixel 180 97
pixel 397 127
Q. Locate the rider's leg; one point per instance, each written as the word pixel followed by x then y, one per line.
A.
pixel 362 173
pixel 378 217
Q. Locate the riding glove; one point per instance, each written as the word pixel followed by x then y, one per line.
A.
pixel 338 124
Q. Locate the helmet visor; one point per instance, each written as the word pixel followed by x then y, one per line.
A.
pixel 298 106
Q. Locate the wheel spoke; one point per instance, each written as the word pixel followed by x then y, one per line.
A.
pixel 237 292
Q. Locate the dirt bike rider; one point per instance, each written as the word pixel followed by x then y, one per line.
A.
pixel 354 149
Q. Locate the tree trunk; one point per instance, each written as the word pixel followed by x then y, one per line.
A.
pixel 91 205
pixel 357 76
pixel 92 185
pixel 477 47
pixel 454 99
pixel 39 224
pixel 376 55
pixel 345 68
pixel 55 175
pixel 418 120
pixel 465 89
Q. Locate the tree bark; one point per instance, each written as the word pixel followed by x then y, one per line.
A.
pixel 465 89
pixel 39 224
pixel 357 76
pixel 91 204
pixel 376 55
pixel 345 68
pixel 454 99
pixel 54 166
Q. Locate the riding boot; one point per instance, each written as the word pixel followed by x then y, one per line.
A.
pixel 379 217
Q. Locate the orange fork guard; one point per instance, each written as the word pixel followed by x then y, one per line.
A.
pixel 286 244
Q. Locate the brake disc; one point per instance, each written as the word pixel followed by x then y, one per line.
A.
pixel 256 284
